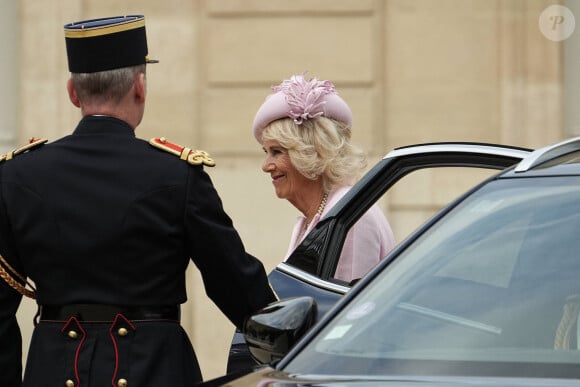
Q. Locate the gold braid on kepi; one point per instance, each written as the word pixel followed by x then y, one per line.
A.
pixel 569 320
pixel 5 270
pixel 106 43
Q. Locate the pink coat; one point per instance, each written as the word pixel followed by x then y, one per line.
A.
pixel 367 242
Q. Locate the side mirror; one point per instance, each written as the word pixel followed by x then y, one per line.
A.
pixel 272 332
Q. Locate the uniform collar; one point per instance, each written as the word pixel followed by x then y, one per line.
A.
pixel 98 124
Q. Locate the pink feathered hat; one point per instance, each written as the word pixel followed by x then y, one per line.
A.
pixel 301 100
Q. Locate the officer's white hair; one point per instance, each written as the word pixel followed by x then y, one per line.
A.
pixel 105 86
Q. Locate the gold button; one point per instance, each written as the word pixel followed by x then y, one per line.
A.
pixel 69 383
pixel 122 331
pixel 122 383
pixel 72 335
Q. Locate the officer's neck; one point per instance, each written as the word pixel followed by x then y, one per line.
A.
pixel 131 115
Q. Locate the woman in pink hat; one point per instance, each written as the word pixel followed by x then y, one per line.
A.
pixel 304 128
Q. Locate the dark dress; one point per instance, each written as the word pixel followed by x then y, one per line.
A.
pixel 102 217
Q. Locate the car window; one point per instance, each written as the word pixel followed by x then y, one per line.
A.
pixel 409 203
pixel 419 195
pixel 491 289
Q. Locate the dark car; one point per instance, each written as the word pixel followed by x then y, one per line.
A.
pixel 486 293
pixel 309 270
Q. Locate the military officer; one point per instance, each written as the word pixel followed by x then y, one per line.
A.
pixel 104 224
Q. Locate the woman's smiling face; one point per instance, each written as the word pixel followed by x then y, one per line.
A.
pixel 288 182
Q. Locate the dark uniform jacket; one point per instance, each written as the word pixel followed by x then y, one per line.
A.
pixel 102 217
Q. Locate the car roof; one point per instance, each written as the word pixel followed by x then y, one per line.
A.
pixel 562 158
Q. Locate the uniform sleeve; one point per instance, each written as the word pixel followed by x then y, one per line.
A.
pixel 367 242
pixel 10 337
pixel 233 279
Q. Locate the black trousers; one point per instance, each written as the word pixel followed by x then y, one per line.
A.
pixel 116 353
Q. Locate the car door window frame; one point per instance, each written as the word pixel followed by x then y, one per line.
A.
pixel 318 254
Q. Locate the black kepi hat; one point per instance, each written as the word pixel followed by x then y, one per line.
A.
pixel 106 43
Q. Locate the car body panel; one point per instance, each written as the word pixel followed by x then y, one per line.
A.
pixel 284 281
pixel 269 377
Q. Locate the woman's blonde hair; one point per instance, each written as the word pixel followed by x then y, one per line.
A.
pixel 319 147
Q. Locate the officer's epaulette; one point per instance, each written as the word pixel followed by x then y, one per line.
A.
pixel 192 156
pixel 32 144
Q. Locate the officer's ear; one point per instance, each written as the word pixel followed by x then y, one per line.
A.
pixel 140 87
pixel 72 93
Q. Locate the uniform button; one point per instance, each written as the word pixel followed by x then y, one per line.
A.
pixel 122 383
pixel 69 383
pixel 72 335
pixel 122 332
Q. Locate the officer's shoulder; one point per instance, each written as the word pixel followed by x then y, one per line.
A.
pixel 33 143
pixel 189 155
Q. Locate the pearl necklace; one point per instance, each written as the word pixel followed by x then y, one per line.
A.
pixel 319 211
pixel 322 204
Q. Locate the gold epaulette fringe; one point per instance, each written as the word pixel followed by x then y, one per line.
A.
pixel 33 143
pixel 192 156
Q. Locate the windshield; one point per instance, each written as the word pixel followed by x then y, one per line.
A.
pixel 492 289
